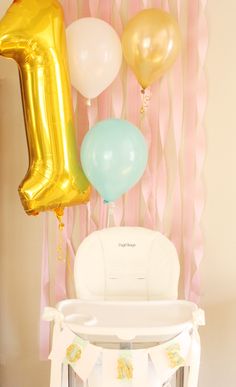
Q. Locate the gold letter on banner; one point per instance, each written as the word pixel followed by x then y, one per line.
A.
pixel 32 33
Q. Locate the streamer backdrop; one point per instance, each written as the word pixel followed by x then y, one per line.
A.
pixel 170 196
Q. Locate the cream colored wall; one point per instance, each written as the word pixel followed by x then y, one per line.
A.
pixel 219 220
pixel 21 236
pixel 219 267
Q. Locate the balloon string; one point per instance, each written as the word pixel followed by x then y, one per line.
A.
pixel 145 98
pixel 92 112
pixel 59 214
pixel 60 250
pixel 110 214
pixel 88 205
pixel 68 262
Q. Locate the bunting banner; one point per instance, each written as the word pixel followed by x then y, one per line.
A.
pixel 111 367
pixel 119 365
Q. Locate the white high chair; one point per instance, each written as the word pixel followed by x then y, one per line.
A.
pixel 126 318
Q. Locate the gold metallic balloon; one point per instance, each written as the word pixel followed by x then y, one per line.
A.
pixel 151 42
pixel 32 33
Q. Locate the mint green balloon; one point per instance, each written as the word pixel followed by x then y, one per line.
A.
pixel 114 156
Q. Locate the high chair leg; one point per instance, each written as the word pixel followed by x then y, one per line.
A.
pixel 194 364
pixel 180 377
pixel 65 376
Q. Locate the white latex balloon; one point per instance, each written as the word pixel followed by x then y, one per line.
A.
pixel 95 55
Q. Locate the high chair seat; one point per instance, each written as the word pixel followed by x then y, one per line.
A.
pixel 126 263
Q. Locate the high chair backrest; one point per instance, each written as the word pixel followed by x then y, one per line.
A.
pixel 126 263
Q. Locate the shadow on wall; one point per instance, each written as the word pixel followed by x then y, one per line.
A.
pixel 218 345
pixel 20 249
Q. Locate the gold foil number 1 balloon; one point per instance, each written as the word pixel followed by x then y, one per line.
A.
pixel 32 33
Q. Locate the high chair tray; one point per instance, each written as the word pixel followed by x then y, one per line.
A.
pixel 137 321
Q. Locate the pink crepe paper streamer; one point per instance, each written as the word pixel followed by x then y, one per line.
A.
pixel 117 97
pixel 104 106
pixel 70 11
pixel 117 86
pixel 92 224
pixel 164 121
pixel 165 5
pixel 93 6
pixel 66 243
pixel 133 104
pixel 132 197
pixel 177 102
pixel 84 120
pixel 118 212
pixel 64 237
pixel 134 7
pixel 117 102
pixel 161 191
pixel 190 144
pixel 177 107
pixel 146 182
pixel 60 266
pixel 86 7
pixel 156 3
pixel 71 14
pixel 117 22
pixel 200 151
pixel 104 99
pixel 164 113
pixel 68 230
pixel 178 4
pixel 176 227
pixel 44 327
pixel 74 98
pixel 103 10
pixel 153 111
